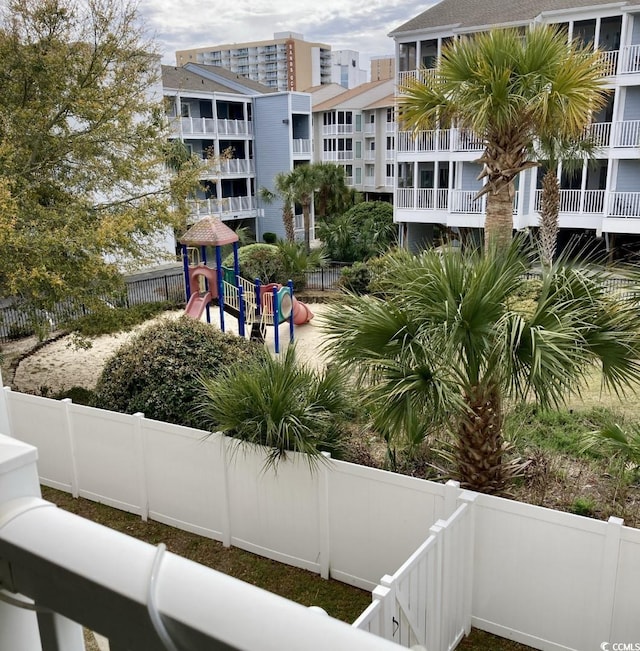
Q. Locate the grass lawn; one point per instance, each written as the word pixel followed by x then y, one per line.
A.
pixel 338 599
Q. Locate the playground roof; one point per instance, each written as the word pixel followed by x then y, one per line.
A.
pixel 209 231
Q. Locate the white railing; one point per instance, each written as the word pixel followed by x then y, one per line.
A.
pixel 577 201
pixel 609 60
pixel 630 59
pixel 424 199
pixel 600 133
pixel 337 155
pixel 198 126
pixel 464 201
pixel 439 140
pixel 235 127
pixel 348 180
pixel 369 155
pixel 389 154
pixel 204 207
pixel 336 129
pixel 236 166
pixel 301 146
pixel 369 128
pixel 625 133
pixel 421 75
pixel 404 198
pixel 370 180
pixel 427 601
pixel 388 182
pixel 624 204
pixel 390 127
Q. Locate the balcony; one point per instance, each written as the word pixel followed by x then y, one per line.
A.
pixel 370 181
pixel 369 129
pixel 390 127
pixel 193 126
pixel 452 201
pixel 615 134
pixel 369 155
pixel 336 129
pixel 301 146
pixel 337 155
pixel 415 75
pixel 235 127
pixel 227 166
pixel 222 207
pixel 437 140
pixel 577 201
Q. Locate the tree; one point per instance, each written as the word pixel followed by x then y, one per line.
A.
pixel 508 87
pixel 449 344
pixel 365 230
pixel 83 147
pixel 305 180
pixel 332 197
pixel 284 191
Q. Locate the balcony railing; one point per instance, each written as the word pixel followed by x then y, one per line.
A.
pixel 369 128
pixel 624 204
pixel 236 166
pixel 390 127
pixel 337 155
pixel 234 127
pixel 417 75
pixel 209 126
pixel 336 129
pixel 577 201
pixel 370 180
pixel 625 133
pixel 388 182
pixel 439 140
pixel 369 155
pixel 453 201
pixel 205 207
pixel 301 146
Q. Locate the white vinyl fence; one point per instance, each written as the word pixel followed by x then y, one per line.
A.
pixel 548 579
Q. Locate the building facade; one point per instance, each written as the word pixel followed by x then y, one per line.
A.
pixel 437 172
pixel 382 67
pixel 345 69
pixel 356 129
pixel 248 132
pixel 286 62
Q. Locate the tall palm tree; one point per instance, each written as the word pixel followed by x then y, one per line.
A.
pixel 508 87
pixel 304 181
pixel 283 190
pixel 448 345
pixel 333 196
pixel 552 150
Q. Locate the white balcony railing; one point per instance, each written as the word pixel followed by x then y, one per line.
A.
pixel 234 127
pixel 390 127
pixel 439 140
pixel 624 204
pixel 630 59
pixel 336 129
pixel 388 182
pixel 418 75
pixel 609 60
pixel 205 207
pixel 370 180
pixel 195 126
pixel 369 128
pixel 337 155
pixel 369 155
pixel 301 146
pixel 625 133
pixel 453 201
pixel 577 201
pixel 236 166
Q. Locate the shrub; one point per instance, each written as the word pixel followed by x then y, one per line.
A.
pixel 296 261
pixel 78 395
pixel 356 278
pixel 280 404
pixel 157 371
pixel 269 238
pixel 104 319
pixel 261 261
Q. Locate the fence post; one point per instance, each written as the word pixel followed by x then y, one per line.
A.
pixel 386 593
pixel 451 492
pixel 608 578
pixel 5 414
pixel 438 589
pixel 138 420
pixel 226 508
pixel 75 488
pixel 323 512
pixel 469 498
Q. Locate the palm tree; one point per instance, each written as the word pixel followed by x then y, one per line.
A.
pixel 283 190
pixel 333 197
pixel 508 87
pixel 448 345
pixel 305 180
pixel 552 150
pixel 281 404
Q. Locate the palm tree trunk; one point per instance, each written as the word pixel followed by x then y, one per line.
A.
pixel 549 216
pixel 306 213
pixel 287 219
pixel 479 447
pixel 498 225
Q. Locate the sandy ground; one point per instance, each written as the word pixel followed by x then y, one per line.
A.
pixel 58 366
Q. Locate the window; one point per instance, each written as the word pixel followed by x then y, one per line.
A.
pixel 358 175
pixel 358 122
pixel 185 110
pixel 358 149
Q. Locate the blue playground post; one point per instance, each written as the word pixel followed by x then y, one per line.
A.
pixel 203 255
pixel 276 321
pixel 220 286
pixel 236 263
pixel 185 265
pixel 241 315
pixel 257 284
pixel 291 324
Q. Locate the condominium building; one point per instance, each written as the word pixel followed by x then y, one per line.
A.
pixel 248 132
pixel 383 67
pixel 345 68
pixel 437 172
pixel 286 62
pixel 356 129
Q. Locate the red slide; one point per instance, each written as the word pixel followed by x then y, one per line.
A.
pixel 195 306
pixel 301 312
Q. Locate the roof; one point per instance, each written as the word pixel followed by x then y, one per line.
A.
pixel 225 73
pixel 479 13
pixel 383 102
pixel 349 97
pixel 325 92
pixel 181 79
pixel 209 231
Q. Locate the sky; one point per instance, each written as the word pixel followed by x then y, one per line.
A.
pixel 360 25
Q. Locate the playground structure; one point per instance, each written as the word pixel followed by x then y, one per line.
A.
pixel 254 305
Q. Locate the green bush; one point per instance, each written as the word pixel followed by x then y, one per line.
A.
pixel 269 238
pixel 261 261
pixel 78 395
pixel 356 278
pixel 157 372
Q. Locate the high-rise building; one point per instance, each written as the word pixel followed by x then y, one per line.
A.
pixel 438 173
pixel 345 68
pixel 286 62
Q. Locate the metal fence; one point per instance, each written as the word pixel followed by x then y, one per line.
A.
pixel 325 278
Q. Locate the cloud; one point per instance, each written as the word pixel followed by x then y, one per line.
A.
pixel 360 25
